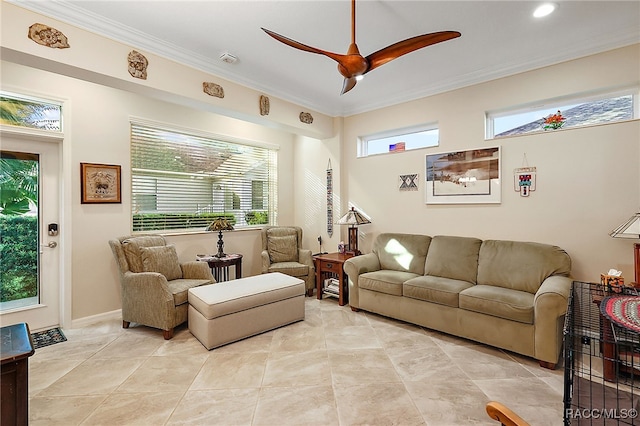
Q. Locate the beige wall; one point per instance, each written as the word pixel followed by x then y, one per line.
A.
pixel 97 131
pixel 588 178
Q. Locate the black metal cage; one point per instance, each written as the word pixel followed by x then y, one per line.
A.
pixel 602 360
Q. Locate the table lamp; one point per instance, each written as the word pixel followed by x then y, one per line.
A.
pixel 353 218
pixel 631 229
pixel 220 224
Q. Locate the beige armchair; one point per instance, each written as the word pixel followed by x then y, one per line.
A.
pixel 154 284
pixel 282 252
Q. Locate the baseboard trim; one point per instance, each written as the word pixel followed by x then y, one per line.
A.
pixel 83 322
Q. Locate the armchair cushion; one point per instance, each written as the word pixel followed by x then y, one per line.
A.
pixel 294 269
pixel 162 259
pixel 283 249
pixel 131 248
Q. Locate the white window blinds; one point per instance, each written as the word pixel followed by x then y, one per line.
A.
pixel 183 181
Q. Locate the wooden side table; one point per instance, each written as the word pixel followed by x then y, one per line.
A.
pixel 17 347
pixel 220 266
pixel 330 266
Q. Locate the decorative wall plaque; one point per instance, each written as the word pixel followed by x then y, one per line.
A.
pixel 213 89
pixel 525 180
pixel 408 182
pixel 306 118
pixel 137 65
pixel 47 36
pixel 264 105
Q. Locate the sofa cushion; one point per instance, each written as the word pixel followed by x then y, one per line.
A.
pixel 453 257
pixel 161 259
pixel 131 248
pixel 385 281
pixel 435 289
pixel 402 252
pixel 499 302
pixel 283 248
pixel 520 265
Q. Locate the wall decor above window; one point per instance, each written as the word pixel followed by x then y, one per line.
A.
pixel 463 177
pixel 213 89
pixel 48 36
pixel 264 105
pixel 306 118
pixel 137 65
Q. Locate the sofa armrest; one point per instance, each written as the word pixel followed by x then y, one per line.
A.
pixel 550 307
pixel 354 267
pixel 197 270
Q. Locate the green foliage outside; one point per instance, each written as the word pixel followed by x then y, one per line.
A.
pixel 18 257
pixel 18 184
pixel 162 221
pixel 38 115
pixel 256 218
pixel 18 231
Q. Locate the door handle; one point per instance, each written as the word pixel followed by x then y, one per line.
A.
pixel 50 244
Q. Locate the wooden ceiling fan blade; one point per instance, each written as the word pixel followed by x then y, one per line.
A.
pixel 349 83
pixel 297 45
pixel 409 45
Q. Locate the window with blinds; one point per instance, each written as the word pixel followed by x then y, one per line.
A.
pixel 183 181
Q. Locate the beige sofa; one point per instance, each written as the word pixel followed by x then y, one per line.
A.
pixel 508 294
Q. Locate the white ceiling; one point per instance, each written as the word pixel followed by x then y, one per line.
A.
pixel 499 38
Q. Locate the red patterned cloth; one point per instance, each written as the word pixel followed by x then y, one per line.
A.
pixel 622 310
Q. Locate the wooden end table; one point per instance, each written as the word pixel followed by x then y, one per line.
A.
pixel 220 266
pixel 330 266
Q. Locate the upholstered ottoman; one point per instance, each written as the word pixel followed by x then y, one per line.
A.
pixel 224 312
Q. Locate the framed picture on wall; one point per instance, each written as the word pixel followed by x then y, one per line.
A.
pixel 100 183
pixel 463 177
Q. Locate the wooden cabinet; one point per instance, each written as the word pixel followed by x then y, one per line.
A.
pixel 17 347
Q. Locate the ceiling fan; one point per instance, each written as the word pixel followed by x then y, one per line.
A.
pixel 353 65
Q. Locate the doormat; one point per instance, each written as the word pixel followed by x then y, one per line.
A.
pixel 47 337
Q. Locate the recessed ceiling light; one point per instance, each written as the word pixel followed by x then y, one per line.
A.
pixel 544 10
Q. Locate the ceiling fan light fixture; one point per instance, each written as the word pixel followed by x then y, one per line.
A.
pixel 353 66
pixel 544 9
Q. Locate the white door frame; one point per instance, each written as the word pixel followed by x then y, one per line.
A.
pixel 64 238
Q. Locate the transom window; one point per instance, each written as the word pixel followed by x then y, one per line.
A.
pixel 563 114
pixel 24 111
pixel 398 140
pixel 182 181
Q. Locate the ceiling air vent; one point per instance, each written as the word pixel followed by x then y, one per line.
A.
pixel 228 58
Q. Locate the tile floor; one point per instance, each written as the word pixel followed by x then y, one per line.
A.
pixel 337 367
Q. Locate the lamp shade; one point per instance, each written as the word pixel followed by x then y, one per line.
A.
pixel 353 217
pixel 220 224
pixel 629 229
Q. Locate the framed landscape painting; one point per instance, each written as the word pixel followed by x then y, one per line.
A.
pixel 463 177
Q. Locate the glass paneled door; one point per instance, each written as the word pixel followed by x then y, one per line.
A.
pixel 29 232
